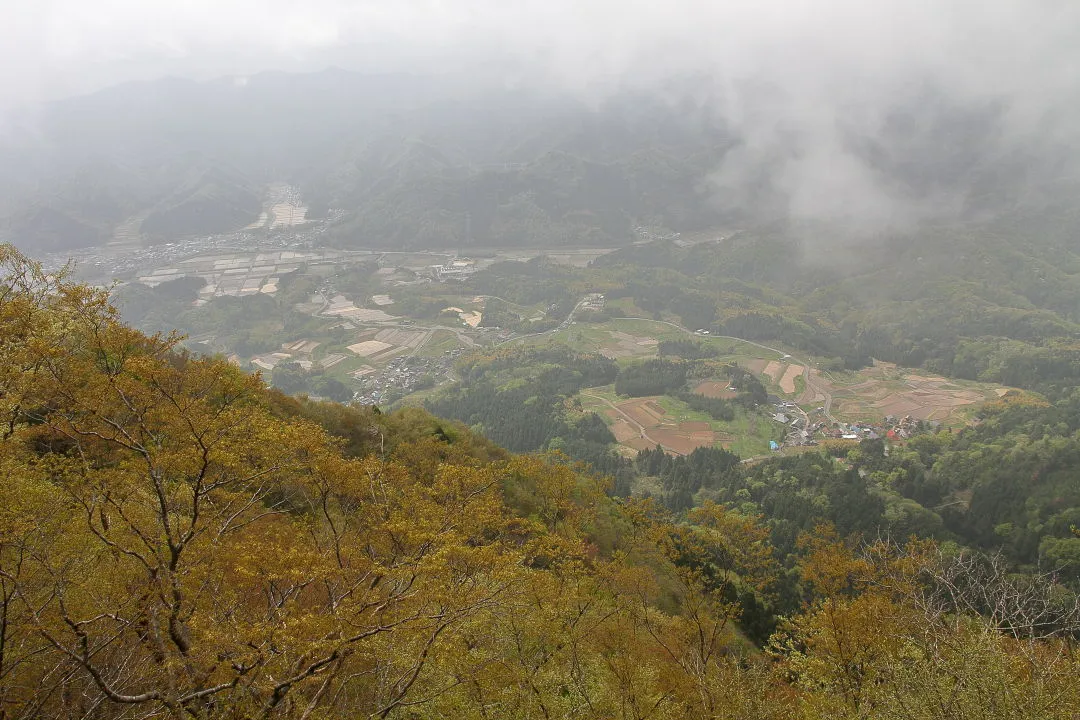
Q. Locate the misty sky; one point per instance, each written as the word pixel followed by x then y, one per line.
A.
pixel 796 78
pixel 57 47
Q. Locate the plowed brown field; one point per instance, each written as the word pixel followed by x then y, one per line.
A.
pixel 655 427
pixel 713 389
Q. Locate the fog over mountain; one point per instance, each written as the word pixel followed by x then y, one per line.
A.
pixel 877 115
pixel 591 359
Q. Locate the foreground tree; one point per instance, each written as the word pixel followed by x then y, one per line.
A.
pixel 171 546
pixel 894 635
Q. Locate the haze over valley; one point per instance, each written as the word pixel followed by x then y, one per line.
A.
pixel 526 359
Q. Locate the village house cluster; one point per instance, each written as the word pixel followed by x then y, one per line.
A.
pixel 404 375
pixel 807 429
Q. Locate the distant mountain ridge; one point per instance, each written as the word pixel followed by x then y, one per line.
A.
pixel 415 161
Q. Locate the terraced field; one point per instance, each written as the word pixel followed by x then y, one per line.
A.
pixel 884 390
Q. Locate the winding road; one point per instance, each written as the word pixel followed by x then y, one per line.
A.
pixel 562 326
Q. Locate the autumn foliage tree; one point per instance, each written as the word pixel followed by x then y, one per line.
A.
pixel 176 540
pixel 170 546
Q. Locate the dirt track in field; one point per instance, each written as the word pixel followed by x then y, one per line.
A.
pixel 641 423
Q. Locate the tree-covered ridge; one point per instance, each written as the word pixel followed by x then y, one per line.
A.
pixel 1006 485
pixel 995 301
pixel 521 399
pixel 459 159
pixel 178 541
pixel 411 161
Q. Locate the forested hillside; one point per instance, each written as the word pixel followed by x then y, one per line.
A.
pixel 411 161
pixel 996 300
pixel 163 197
pixel 1004 485
pixel 176 540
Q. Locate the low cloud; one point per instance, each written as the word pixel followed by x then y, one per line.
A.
pixel 822 94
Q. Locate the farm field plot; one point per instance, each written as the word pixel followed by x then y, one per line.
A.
pixel 875 392
pixel 774 370
pixel 627 339
pixel 584 337
pixel 641 327
pixel 716 390
pixel 401 338
pixel 331 360
pixel 440 342
pixel 623 430
pixel 619 338
pixel 368 348
pixel 341 306
pixel 578 258
pixel 787 382
pixel 285 214
pixel 640 423
pixel 362 371
pixel 657 427
pixel 644 412
pixel 779 374
pixel 612 344
pixel 413 261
